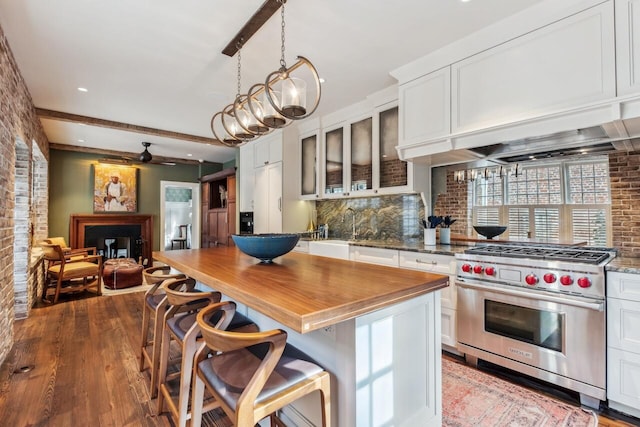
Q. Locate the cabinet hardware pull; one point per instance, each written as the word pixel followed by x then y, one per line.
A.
pixel 419 261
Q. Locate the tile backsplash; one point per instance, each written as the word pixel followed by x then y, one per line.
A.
pixel 393 217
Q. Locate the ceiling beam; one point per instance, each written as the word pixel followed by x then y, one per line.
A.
pixel 129 158
pixel 262 15
pixel 92 121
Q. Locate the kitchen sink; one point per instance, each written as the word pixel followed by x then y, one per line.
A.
pixel 330 248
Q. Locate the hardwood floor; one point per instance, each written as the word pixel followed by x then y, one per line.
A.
pixel 84 354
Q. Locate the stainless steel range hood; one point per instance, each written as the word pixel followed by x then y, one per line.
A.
pixel 619 135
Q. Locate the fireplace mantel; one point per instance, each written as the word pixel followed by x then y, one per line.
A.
pixel 78 222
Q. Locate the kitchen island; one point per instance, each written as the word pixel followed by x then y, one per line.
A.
pixel 375 328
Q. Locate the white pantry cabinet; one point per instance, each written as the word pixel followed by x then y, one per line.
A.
pixel 623 342
pixel 246 175
pixel 628 46
pixel 276 207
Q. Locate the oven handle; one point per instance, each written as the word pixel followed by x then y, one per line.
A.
pixel 594 305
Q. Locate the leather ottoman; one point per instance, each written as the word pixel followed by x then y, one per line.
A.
pixel 120 273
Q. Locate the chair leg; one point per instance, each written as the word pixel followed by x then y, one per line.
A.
pixel 145 332
pixel 197 399
pixel 156 348
pixel 186 371
pixel 325 399
pixel 58 288
pixel 162 370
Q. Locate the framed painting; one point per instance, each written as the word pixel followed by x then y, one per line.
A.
pixel 115 188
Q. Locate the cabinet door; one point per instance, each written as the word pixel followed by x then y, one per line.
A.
pixel 334 162
pixel 623 320
pixel 309 166
pixel 628 46
pixel 449 326
pixel 392 171
pixel 267 215
pixel 566 64
pixel 222 232
pixel 246 178
pixel 268 149
pixel 623 371
pixel 361 159
pixel 231 222
pixel 275 197
pixel 425 108
pixel 213 228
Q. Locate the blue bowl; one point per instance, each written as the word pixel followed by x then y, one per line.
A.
pixel 265 247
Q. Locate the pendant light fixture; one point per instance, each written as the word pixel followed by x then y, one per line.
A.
pixel 274 104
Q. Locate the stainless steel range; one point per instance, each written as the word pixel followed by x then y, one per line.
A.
pixel 538 310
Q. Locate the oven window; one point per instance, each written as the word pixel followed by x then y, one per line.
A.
pixel 537 327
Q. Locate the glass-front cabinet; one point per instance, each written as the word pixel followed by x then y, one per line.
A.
pixel 361 142
pixel 357 157
pixel 393 171
pixel 308 166
pixel 334 162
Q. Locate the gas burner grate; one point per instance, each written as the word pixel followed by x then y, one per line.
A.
pixel 537 252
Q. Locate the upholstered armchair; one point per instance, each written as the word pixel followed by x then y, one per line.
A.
pixel 70 271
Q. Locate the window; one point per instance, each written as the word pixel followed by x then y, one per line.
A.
pixel 548 201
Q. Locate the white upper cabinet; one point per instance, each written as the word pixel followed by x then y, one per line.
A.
pixel 268 149
pixel 628 46
pixel 425 107
pixel 562 65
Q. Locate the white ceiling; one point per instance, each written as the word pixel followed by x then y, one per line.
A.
pixel 157 63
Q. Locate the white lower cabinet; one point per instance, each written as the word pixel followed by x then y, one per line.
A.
pixel 267 216
pixel 440 264
pixel 623 342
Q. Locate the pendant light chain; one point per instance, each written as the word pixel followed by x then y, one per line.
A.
pixel 283 64
pixel 239 46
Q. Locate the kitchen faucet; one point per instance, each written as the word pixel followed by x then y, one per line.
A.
pixel 354 233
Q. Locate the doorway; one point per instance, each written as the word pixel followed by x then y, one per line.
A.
pixel 179 206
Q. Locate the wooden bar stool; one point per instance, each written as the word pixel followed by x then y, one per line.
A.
pixel 154 307
pixel 180 327
pixel 252 375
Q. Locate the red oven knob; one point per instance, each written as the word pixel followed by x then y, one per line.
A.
pixel 466 268
pixel 584 282
pixel 477 269
pixel 531 279
pixel 490 271
pixel 549 278
pixel 566 280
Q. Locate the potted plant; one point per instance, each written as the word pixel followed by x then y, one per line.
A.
pixel 445 230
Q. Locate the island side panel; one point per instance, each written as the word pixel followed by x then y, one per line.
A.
pixel 385 366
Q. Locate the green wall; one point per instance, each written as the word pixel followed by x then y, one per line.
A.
pixel 71 187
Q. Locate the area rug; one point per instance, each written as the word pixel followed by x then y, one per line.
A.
pixel 473 398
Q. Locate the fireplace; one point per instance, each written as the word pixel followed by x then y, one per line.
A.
pixel 129 235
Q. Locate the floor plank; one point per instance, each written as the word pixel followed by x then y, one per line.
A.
pixel 85 357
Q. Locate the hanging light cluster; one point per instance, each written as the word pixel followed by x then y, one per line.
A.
pixel 274 104
pixel 486 173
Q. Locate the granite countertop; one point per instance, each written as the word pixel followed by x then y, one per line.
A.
pixel 412 246
pixel 624 265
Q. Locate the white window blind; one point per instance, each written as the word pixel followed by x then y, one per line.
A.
pixel 518 225
pixel 589 225
pixel 547 224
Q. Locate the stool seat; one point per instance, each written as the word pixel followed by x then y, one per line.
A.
pixel 120 273
pixel 179 325
pixel 229 373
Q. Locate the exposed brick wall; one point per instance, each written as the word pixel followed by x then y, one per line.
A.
pixel 18 122
pixel 456 204
pixel 393 173
pixel 624 172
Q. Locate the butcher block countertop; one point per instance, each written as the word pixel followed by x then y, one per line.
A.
pixel 301 291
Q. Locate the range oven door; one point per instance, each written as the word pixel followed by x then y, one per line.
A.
pixel 562 338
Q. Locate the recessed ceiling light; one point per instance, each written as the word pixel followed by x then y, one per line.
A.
pixel 83 89
pixel 81 140
pixel 322 80
pixel 189 155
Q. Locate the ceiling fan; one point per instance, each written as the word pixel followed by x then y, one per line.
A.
pixel 145 157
